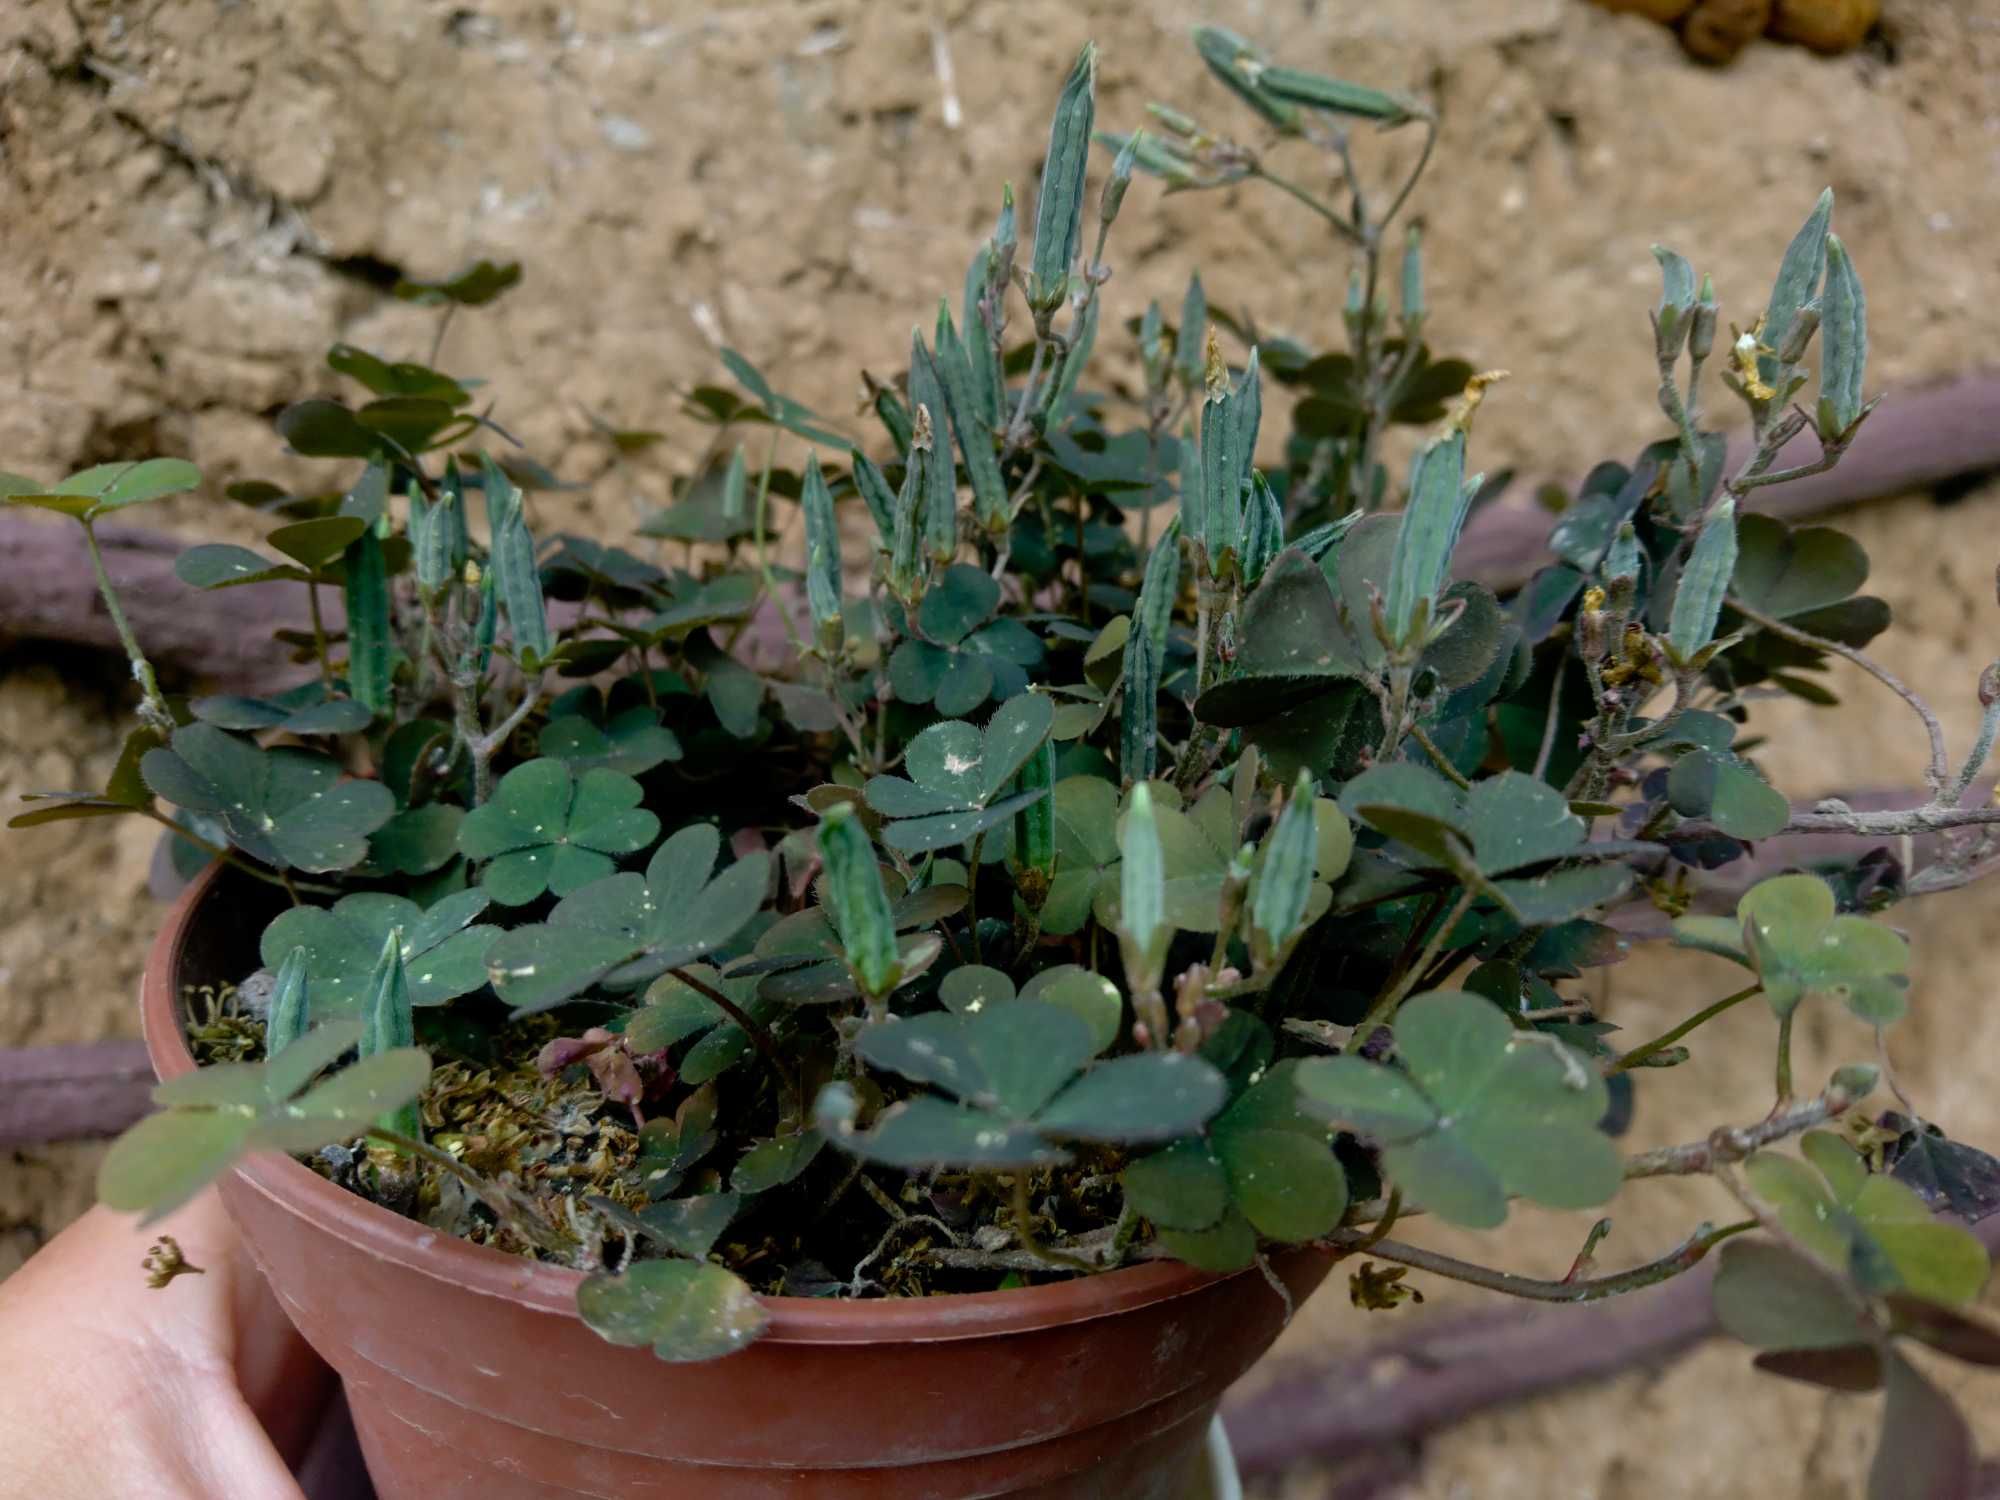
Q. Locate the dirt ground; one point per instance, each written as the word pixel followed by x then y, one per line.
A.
pixel 197 197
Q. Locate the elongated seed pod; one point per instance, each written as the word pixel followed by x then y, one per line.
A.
pixel 388 1023
pixel 1844 351
pixel 1194 497
pixel 1278 912
pixel 1190 350
pixel 1421 559
pixel 1159 589
pixel 1236 63
pixel 1152 345
pixel 1704 581
pixel 975 434
pixel 1059 205
pixel 1798 281
pixel 1142 895
pixel 1139 721
pixel 370 647
pixel 431 531
pixel 1113 196
pixel 519 584
pixel 1413 279
pixel 906 559
pixel 489 622
pixel 1074 360
pixel 1247 411
pixel 879 498
pixel 1035 824
pixel 940 514
pixel 822 558
pixel 896 418
pixel 453 489
pixel 1263 530
pixel 736 487
pixel 861 912
pixel 1334 96
pixel 290 1015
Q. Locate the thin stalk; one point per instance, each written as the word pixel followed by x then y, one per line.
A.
pixel 229 857
pixel 319 631
pixel 153 704
pixel 1324 210
pixel 1666 1039
pixel 1384 1010
pixel 1982 746
pixel 1785 1057
pixel 1546 751
pixel 1593 1289
pixel 1024 1230
pixel 759 1035
pixel 514 1212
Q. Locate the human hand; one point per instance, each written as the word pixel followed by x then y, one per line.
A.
pixel 199 1390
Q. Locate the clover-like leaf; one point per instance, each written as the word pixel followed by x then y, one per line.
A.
pixel 1726 790
pixel 586 735
pixel 628 928
pixel 957 776
pixel 1770 1298
pixel 1265 1160
pixel 1012 1070
pixel 286 807
pixel 1947 1174
pixel 1786 930
pixel 684 1310
pixel 90 493
pixel 443 948
pixel 548 829
pixel 306 709
pixel 1478 1112
pixel 212 1117
pixel 1867 1226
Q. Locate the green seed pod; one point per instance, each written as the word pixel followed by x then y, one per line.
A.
pixel 1139 722
pixel 1675 313
pixel 895 417
pixel 940 475
pixel 371 657
pixel 978 337
pixel 431 532
pixel 291 1015
pixel 1247 411
pixel 880 499
pixel 1704 581
pixel 822 559
pixel 1073 364
pixel 519 584
pixel 489 622
pixel 1413 279
pixel 1180 124
pixel 1844 359
pixel 1169 161
pixel 736 487
pixel 1263 530
pixel 1229 423
pixel 860 905
pixel 388 1023
pixel 1701 330
pixel 1113 196
pixel 1153 345
pixel 1193 336
pixel 1333 96
pixel 1798 281
pixel 453 488
pixel 1622 557
pixel 1006 237
pixel 906 560
pixel 1059 205
pixel 1432 520
pixel 1160 588
pixel 1194 499
pixel 1235 887
pixel 1278 912
pixel 1142 905
pixel 975 434
pixel 1035 824
pixel 1236 63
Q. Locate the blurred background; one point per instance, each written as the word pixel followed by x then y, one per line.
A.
pixel 197 197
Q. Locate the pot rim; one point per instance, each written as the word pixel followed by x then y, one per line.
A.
pixel 552 1289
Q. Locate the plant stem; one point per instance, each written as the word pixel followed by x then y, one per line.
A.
pixel 1785 1057
pixel 1384 1010
pixel 759 1036
pixel 1666 1039
pixel 1732 1143
pixel 1940 760
pixel 517 1213
pixel 152 704
pixel 1024 1230
pixel 319 632
pixel 1593 1289
pixel 1324 210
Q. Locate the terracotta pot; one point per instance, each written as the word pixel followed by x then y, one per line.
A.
pixel 470 1374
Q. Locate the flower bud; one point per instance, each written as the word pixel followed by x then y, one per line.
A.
pixel 1800 335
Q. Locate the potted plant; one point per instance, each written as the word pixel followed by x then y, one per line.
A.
pixel 931 1057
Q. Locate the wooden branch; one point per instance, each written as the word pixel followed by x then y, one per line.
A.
pixel 72 1092
pixel 1917 438
pixel 1392 1391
